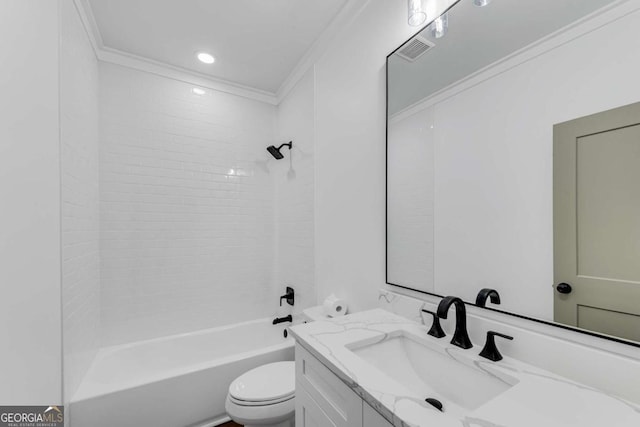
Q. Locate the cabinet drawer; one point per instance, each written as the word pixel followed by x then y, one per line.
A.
pixel 342 406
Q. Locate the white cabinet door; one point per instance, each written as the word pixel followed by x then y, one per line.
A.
pixel 370 418
pixel 334 398
pixel 308 413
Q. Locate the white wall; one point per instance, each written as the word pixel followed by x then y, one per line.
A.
pixel 350 152
pixel 80 208
pixel 30 327
pixel 493 151
pixel 187 207
pixel 295 193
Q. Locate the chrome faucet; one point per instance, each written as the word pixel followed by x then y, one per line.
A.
pixel 460 336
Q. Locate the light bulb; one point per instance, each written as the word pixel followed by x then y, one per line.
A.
pixel 440 26
pixel 417 13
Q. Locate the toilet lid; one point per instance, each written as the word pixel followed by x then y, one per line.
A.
pixel 274 381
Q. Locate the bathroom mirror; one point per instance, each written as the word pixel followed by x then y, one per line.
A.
pixel 513 151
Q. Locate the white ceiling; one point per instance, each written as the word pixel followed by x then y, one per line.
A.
pixel 256 43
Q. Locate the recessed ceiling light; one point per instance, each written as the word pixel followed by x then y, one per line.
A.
pixel 481 3
pixel 205 57
pixel 198 91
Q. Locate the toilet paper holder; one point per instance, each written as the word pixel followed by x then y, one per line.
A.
pixel 289 296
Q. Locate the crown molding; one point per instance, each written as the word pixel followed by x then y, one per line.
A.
pixel 90 27
pixel 347 14
pixel 114 56
pixel 589 23
pixel 163 69
pixel 344 18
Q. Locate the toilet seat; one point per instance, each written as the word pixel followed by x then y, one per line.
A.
pixel 265 385
pixel 262 403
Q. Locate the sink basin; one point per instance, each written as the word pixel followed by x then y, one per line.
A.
pixel 429 369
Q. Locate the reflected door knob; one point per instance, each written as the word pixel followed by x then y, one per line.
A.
pixel 564 288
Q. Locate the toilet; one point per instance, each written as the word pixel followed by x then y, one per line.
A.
pixel 265 396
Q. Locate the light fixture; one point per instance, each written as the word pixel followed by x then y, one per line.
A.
pixel 440 26
pixel 417 13
pixel 198 91
pixel 481 3
pixel 205 57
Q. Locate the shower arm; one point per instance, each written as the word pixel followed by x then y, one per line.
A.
pixel 288 144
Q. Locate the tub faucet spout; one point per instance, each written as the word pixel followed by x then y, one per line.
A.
pixel 282 319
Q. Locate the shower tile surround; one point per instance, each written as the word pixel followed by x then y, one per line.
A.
pixel 186 207
pixel 533 397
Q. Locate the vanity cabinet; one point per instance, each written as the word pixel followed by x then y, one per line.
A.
pixel 323 400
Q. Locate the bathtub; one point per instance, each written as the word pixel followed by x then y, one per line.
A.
pixel 174 381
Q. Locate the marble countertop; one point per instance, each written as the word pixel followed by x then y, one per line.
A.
pixel 533 397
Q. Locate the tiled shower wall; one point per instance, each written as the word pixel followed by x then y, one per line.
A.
pixel 186 207
pixel 79 197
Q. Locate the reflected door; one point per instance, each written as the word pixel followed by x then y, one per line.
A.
pixel 597 222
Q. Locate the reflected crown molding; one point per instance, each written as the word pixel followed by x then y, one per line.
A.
pixel 592 22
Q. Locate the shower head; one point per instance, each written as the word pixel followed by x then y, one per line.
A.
pixel 275 152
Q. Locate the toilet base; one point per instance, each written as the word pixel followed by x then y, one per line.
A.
pixel 280 414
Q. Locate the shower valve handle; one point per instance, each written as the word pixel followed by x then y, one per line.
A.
pixel 289 296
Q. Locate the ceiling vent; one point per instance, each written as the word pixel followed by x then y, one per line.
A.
pixel 415 48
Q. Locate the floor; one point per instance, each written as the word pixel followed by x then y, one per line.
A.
pixel 230 424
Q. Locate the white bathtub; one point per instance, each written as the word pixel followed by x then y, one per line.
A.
pixel 174 381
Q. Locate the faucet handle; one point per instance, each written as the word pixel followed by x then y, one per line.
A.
pixel 490 351
pixel 289 296
pixel 436 328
